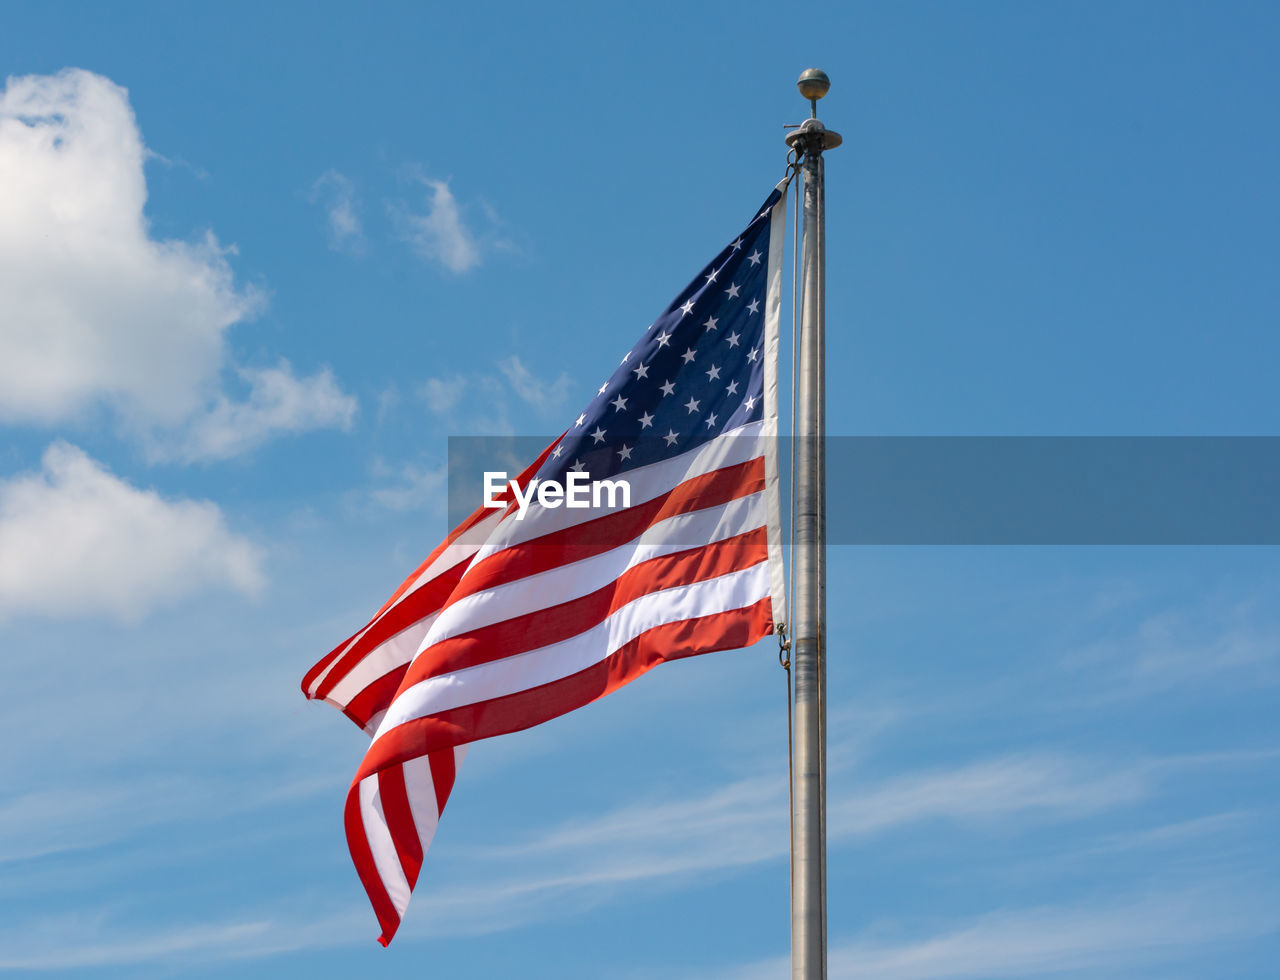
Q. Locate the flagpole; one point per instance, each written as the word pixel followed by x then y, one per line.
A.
pixel 809 628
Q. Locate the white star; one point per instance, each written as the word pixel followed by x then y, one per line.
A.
pixel 732 290
pixel 581 419
pixel 733 388
pixel 711 276
pixel 687 308
pixel 641 371
pixel 625 453
pixel 736 245
pixel 555 453
pixel 619 403
pixel 602 388
pixel 753 354
pixel 671 437
pixel 691 404
pixel 668 389
pixel 754 306
pixel 625 357
pixel 577 467
pixel 711 323
pixel 663 340
pixel 749 403
pixel 688 355
pixel 646 420
pixel 754 257
pixel 733 338
pixel 711 420
pixel 598 435
pixel 713 373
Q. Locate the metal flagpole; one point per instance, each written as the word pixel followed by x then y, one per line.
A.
pixel 809 628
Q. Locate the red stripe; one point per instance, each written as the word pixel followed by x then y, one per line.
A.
pixel 308 682
pixel 375 696
pixel 444 770
pixel 479 514
pixel 310 677
pixel 362 858
pixel 476 516
pixel 564 620
pixel 612 530
pixel 523 709
pixel 417 606
pixel 415 609
pixel 404 832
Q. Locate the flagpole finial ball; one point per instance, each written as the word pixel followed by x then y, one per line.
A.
pixel 813 83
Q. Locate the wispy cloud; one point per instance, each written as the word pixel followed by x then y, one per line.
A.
pixel 661 843
pixel 1053 786
pixel 1212 643
pixel 482 400
pixel 545 397
pixel 94 813
pixel 413 486
pixel 438 234
pixel 1053 940
pixel 96 940
pixel 278 402
pixel 443 394
pixel 337 195
pixel 665 842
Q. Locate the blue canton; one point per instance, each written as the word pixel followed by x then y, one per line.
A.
pixel 697 372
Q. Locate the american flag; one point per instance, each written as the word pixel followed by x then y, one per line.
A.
pixel 511 622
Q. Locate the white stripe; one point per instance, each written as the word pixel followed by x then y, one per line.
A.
pixel 462 548
pixel 772 318
pixel 452 556
pixel 421 790
pixel 385 858
pixel 572 581
pixel 558 660
pixel 647 482
pixel 395 652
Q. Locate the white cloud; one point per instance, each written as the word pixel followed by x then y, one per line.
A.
pixel 439 234
pixel 93 308
pixel 535 392
pixel 77 540
pixel 415 487
pixel 338 196
pixel 442 394
pixel 388 399
pixel 96 312
pixel 278 402
pixel 487 397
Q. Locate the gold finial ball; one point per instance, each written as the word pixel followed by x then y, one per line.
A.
pixel 813 83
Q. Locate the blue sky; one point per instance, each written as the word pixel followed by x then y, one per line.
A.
pixel 281 253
